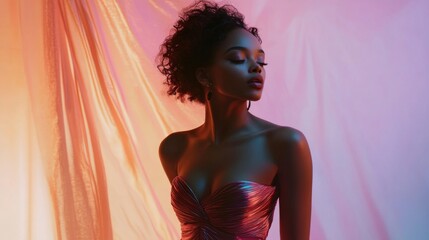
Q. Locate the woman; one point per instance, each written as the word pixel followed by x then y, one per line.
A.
pixel 228 173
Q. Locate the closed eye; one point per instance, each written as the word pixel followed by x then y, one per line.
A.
pixel 262 64
pixel 237 61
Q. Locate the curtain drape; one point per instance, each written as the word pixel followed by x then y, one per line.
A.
pixel 83 110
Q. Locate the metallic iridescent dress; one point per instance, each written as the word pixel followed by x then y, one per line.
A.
pixel 238 210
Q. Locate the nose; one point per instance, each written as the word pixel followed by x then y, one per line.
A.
pixel 255 67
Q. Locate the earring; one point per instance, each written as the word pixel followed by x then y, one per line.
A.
pixel 209 94
pixel 248 105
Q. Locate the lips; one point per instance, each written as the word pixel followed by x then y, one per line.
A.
pixel 256 82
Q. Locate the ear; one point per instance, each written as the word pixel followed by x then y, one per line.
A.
pixel 201 74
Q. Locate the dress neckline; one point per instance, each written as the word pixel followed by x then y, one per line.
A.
pixel 210 195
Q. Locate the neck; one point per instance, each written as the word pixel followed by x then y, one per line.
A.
pixel 225 119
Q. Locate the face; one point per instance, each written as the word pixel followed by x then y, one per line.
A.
pixel 238 69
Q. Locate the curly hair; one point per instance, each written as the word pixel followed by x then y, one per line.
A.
pixel 192 43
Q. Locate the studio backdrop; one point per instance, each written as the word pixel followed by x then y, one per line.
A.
pixel 83 110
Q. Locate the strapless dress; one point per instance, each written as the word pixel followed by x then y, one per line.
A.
pixel 238 210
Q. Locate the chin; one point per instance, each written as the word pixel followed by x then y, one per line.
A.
pixel 254 97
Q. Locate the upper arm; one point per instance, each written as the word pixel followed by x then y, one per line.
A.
pixel 295 175
pixel 170 150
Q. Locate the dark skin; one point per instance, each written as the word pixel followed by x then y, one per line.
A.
pixel 233 144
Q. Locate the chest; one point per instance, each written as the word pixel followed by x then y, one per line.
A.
pixel 207 168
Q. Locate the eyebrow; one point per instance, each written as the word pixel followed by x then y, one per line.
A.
pixel 242 48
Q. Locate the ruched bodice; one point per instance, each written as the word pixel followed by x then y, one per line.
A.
pixel 238 210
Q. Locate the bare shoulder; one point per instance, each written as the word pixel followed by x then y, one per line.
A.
pixel 285 134
pixel 173 144
pixel 288 145
pixel 170 150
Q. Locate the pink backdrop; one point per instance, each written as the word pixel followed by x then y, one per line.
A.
pixel 83 111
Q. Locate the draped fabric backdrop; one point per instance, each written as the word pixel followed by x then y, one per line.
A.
pixel 83 110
